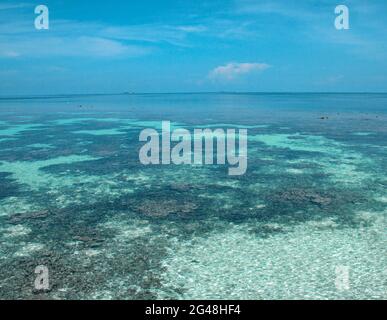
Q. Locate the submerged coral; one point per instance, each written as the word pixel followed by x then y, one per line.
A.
pixel 163 208
pixel 303 196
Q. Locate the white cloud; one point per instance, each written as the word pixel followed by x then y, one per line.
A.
pixel 233 70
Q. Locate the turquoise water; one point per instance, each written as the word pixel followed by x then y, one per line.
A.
pixel 75 198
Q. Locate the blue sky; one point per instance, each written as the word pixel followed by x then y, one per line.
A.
pixel 187 46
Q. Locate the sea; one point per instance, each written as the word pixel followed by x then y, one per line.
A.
pixel 307 220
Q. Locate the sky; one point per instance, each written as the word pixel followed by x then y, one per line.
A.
pixel 192 46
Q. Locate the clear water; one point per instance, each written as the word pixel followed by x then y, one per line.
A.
pixel 74 197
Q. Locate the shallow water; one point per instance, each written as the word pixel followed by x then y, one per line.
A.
pixel 75 198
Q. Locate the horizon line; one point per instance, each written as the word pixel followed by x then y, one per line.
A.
pixel 64 95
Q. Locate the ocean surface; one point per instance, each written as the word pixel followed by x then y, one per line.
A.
pixel 306 221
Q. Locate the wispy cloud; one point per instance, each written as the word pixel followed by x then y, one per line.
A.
pixel 313 21
pixel 8 5
pixel 279 7
pixel 18 38
pixel 192 29
pixel 153 33
pixel 330 80
pixel 81 46
pixel 73 38
pixel 232 70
